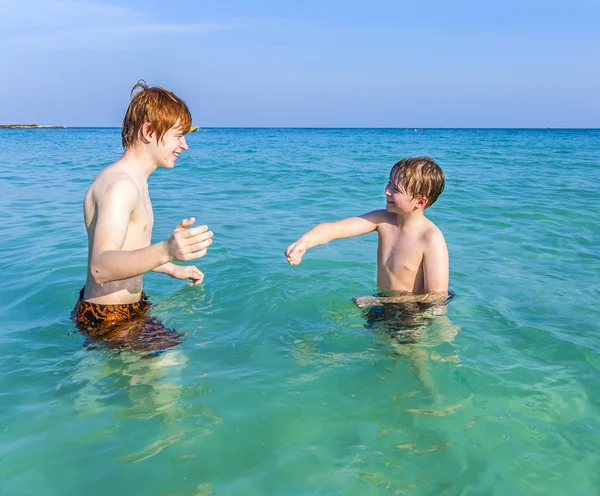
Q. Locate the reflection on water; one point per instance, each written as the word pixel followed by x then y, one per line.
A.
pixel 153 390
pixel 152 385
pixel 410 329
pixel 199 490
pixel 381 440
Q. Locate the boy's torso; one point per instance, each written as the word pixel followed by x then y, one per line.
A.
pixel 139 235
pixel 400 255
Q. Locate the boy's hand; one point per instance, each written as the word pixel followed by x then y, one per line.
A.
pixel 295 252
pixel 365 301
pixel 187 244
pixel 187 272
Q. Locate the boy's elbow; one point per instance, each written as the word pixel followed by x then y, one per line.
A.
pixel 99 278
pixel 98 274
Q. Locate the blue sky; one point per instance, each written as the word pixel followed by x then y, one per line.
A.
pixel 424 63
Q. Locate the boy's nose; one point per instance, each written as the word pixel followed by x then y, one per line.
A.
pixel 184 144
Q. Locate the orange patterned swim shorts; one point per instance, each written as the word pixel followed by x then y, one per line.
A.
pixel 125 326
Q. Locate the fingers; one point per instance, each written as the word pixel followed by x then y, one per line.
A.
pixel 185 223
pixel 193 255
pixel 358 300
pixel 196 275
pixel 294 259
pixel 201 245
pixel 364 301
pixel 196 250
pixel 181 232
pixel 194 231
pixel 187 244
pixel 289 250
pixel 294 253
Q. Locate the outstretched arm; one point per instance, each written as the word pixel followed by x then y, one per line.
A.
pixel 328 231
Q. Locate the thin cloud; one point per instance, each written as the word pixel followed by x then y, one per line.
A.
pixel 43 25
pixel 34 15
pixel 109 36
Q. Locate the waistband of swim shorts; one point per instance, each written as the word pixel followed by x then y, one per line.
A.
pixel 87 313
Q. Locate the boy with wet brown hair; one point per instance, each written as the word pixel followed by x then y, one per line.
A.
pixel 412 257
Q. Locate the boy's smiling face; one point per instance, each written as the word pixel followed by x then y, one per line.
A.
pixel 398 201
pixel 170 146
pixel 166 149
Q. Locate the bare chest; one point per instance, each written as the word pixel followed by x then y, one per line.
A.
pixel 400 261
pixel 399 254
pixel 141 222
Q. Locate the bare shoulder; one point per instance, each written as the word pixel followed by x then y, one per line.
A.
pixel 380 217
pixel 432 236
pixel 113 182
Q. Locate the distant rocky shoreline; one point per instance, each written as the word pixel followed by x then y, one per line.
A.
pixel 29 126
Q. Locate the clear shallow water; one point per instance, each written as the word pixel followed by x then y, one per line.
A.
pixel 278 387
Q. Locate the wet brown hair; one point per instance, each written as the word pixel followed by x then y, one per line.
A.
pixel 157 106
pixel 419 177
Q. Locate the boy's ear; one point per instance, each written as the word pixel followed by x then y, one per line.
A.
pixel 422 202
pixel 147 132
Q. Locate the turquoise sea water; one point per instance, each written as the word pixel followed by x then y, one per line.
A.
pixel 278 387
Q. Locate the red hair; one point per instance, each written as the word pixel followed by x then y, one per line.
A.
pixel 157 106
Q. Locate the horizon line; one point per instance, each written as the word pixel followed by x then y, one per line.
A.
pixel 416 128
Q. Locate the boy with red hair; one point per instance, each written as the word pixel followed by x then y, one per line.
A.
pixel 118 217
